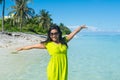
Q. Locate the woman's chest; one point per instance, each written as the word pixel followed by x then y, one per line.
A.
pixel 57 48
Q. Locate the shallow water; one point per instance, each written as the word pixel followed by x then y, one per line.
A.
pixel 26 65
pixel 95 57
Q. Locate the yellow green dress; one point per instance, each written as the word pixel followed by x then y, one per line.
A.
pixel 58 66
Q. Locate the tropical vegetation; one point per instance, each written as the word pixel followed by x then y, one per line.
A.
pixel 3 10
pixel 23 19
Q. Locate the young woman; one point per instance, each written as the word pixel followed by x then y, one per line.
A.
pixel 56 46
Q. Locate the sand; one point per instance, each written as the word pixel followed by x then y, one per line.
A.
pixel 27 64
pixel 14 40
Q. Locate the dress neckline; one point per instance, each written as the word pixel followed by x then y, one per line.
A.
pixel 56 43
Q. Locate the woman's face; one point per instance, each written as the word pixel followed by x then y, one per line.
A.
pixel 54 35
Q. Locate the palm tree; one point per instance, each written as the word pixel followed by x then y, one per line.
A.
pixel 3 11
pixel 45 19
pixel 21 12
pixel 64 29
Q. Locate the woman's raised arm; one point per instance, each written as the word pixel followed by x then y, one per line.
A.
pixel 72 34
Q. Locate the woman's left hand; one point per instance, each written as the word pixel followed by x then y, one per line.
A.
pixel 83 27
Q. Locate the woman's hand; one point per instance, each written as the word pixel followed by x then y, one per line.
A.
pixel 83 26
pixel 19 49
pixel 80 28
pixel 14 52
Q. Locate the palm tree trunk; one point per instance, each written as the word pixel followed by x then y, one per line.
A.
pixel 3 11
pixel 21 24
pixel 20 27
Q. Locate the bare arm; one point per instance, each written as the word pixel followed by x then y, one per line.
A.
pixel 36 46
pixel 72 34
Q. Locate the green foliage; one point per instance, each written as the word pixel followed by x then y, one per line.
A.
pixel 0 21
pixel 38 24
pixel 32 28
pixel 21 12
pixel 0 24
pixel 23 19
pixel 64 29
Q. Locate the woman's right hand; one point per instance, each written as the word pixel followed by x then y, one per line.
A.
pixel 19 49
pixel 14 52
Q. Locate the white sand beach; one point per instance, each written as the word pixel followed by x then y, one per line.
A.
pixel 13 40
pixel 27 64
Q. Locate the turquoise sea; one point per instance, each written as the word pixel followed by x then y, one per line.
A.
pixel 95 56
pixel 91 56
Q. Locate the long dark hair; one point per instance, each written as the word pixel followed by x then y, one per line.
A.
pixel 62 40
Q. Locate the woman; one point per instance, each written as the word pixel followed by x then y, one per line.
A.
pixel 57 48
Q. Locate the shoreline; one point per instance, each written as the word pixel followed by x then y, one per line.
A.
pixel 19 39
pixel 14 66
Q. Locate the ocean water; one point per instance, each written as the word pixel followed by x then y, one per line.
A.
pixel 91 56
pixel 26 65
pixel 94 56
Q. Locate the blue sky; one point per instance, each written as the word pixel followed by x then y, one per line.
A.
pixel 101 15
